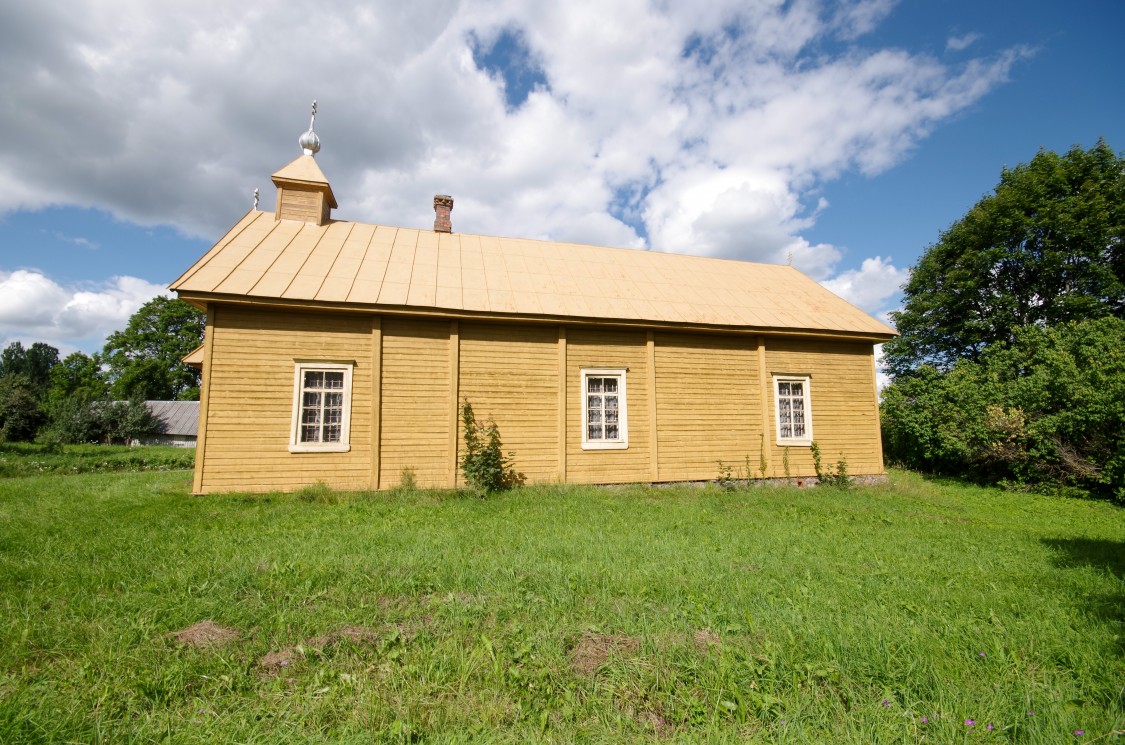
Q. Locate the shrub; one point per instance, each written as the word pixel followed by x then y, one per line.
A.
pixel 484 464
pixel 1044 411
pixel 110 422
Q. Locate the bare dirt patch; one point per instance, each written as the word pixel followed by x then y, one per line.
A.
pixel 205 634
pixel 275 662
pixel 705 639
pixel 594 650
pixel 357 635
pixel 656 722
pixel 354 634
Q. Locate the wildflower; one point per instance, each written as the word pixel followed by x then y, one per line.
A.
pixel 1031 713
pixel 1079 732
pixel 886 702
pixel 924 720
pixel 989 727
pixel 969 723
pixel 982 654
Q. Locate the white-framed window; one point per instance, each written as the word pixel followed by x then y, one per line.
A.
pixel 793 408
pixel 322 407
pixel 605 421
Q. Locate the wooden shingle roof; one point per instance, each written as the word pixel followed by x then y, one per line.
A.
pixel 379 267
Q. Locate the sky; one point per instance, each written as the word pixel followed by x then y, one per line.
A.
pixel 839 135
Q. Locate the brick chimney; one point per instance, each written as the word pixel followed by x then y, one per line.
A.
pixel 443 205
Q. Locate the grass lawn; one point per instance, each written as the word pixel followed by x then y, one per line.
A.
pixel 897 613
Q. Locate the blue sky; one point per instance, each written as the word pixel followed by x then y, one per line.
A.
pixel 845 135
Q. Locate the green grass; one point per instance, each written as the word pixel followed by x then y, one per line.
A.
pixel 559 614
pixel 26 459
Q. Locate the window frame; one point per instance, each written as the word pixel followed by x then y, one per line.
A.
pixel 805 379
pixel 300 367
pixel 622 441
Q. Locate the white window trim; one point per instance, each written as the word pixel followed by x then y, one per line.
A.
pixel 344 445
pixel 793 441
pixel 622 442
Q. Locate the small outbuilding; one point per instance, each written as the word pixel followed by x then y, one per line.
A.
pixel 179 424
pixel 340 351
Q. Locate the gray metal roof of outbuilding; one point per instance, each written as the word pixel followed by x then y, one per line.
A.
pixel 179 417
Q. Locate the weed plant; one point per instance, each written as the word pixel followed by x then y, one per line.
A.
pixel 837 477
pixel 885 614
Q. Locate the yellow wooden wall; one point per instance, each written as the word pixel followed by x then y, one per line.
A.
pixel 608 348
pixel 510 373
pixel 307 206
pixel 416 401
pixel 250 400
pixel 708 403
pixel 705 392
pixel 844 407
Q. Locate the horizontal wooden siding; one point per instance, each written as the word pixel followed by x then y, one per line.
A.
pixel 598 348
pixel 842 388
pixel 249 416
pixel 708 404
pixel 416 402
pixel 510 373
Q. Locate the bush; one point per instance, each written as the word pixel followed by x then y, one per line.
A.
pixel 484 465
pixel 1046 411
pixel 110 422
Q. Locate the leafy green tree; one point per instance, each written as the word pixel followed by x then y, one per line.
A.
pixel 146 379
pixel 1046 247
pixel 20 413
pixel 126 421
pixel 34 363
pixel 143 360
pixel 78 377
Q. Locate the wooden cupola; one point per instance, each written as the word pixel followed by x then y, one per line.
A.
pixel 303 192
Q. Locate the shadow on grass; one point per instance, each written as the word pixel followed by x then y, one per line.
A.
pixel 1089 552
pixel 1099 553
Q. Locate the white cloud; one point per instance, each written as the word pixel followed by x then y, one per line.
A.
pixel 33 306
pixel 79 241
pixel 963 42
pixel 882 380
pixel 869 287
pixel 722 118
pixel 862 17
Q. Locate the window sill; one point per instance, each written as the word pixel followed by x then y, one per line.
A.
pixel 794 443
pixel 605 446
pixel 336 447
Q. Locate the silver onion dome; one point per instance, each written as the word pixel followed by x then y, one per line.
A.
pixel 309 142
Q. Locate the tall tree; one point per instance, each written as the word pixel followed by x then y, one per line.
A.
pixel 20 412
pixel 34 363
pixel 1047 246
pixel 143 360
pixel 79 377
